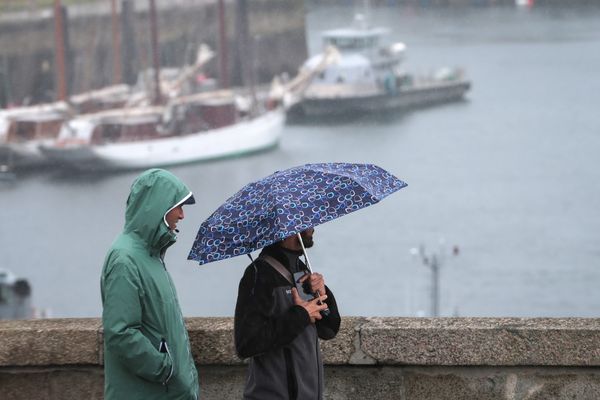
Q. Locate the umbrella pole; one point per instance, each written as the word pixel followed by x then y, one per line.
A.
pixel 304 252
pixel 325 311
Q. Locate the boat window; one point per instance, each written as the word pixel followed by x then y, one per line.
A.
pixel 24 130
pixel 144 130
pixel 29 130
pixel 347 43
pixel 111 133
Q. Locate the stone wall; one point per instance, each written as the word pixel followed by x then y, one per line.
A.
pixel 371 358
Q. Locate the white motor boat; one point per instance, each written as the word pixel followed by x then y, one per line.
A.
pixel 367 77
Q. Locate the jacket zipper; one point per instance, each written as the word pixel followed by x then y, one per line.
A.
pixel 319 364
pixel 292 382
pixel 162 261
pixel 163 341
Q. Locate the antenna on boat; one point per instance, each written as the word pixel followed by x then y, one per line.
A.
pixel 361 19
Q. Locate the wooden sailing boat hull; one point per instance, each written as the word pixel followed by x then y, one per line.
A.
pixel 243 137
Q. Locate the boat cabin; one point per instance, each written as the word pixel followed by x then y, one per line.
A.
pixel 34 127
pixel 38 112
pixel 363 68
pixel 353 40
pixel 113 126
pixel 198 116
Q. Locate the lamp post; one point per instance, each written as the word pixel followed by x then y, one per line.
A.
pixel 435 284
pixel 434 262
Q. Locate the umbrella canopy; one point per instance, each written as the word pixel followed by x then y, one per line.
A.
pixel 286 203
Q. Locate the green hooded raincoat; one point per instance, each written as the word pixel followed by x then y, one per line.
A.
pixel 146 347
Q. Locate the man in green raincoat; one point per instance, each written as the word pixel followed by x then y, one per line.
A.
pixel 146 346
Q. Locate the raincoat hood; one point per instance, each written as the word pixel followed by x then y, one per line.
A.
pixel 153 194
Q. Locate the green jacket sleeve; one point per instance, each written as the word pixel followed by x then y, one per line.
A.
pixel 122 320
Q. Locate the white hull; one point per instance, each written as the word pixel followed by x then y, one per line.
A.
pixel 416 97
pixel 366 77
pixel 22 155
pixel 243 137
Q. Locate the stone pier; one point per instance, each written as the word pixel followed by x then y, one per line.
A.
pixel 371 358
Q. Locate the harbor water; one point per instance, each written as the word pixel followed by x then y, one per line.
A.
pixel 503 188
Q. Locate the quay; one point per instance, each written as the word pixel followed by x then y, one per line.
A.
pixel 277 37
pixel 371 358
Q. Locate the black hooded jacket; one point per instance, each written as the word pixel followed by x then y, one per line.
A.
pixel 278 335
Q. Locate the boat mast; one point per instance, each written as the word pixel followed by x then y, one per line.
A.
pixel 245 51
pixel 116 41
pixel 223 51
pixel 60 52
pixel 155 53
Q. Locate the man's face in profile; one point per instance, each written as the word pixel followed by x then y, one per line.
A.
pixel 307 237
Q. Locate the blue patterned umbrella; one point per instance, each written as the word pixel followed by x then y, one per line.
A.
pixel 286 203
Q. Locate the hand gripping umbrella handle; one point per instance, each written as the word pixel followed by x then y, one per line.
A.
pixel 324 312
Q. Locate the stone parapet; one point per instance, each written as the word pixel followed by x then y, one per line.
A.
pixel 47 342
pixel 376 358
pixel 482 341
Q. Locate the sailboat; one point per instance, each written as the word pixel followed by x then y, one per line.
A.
pixel 24 129
pixel 174 129
pixel 189 129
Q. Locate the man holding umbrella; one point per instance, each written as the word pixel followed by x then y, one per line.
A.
pixel 278 328
pixel 282 311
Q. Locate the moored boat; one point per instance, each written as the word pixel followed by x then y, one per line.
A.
pixel 193 128
pixel 367 77
pixel 24 129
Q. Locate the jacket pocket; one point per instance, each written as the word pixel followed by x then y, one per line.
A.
pixel 163 347
pixel 292 383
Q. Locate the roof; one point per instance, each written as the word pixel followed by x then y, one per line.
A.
pixel 346 33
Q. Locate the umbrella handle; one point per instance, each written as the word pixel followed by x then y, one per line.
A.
pixel 304 252
pixel 325 312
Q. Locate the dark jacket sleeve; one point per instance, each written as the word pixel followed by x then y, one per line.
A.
pixel 256 328
pixel 328 326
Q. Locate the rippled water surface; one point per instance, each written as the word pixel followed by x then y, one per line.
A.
pixel 511 177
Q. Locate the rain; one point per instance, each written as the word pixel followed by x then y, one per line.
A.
pixel 499 217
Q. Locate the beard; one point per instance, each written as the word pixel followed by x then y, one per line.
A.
pixel 307 239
